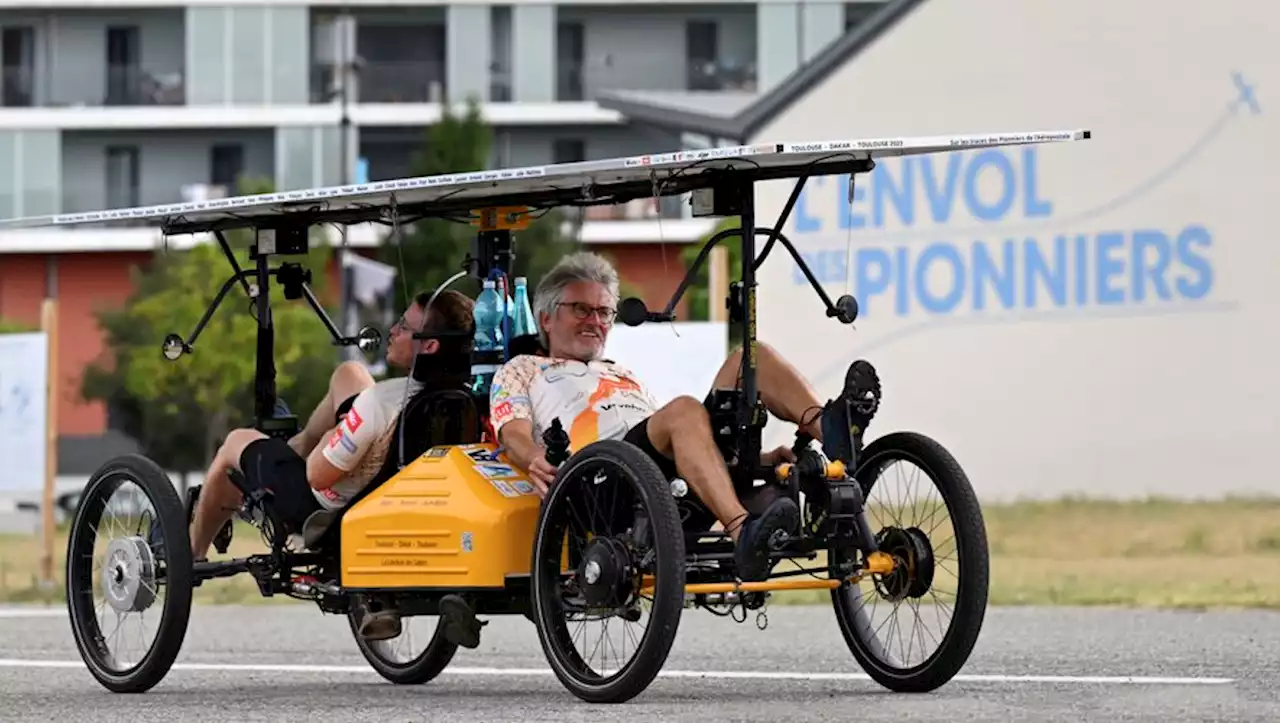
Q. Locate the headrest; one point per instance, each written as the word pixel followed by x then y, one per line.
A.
pixel 450 365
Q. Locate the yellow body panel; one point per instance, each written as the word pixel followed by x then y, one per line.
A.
pixel 456 517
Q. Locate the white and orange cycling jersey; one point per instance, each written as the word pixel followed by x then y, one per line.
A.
pixel 593 400
pixel 359 444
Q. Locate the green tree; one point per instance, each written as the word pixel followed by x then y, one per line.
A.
pixel 178 410
pixel 12 326
pixel 431 250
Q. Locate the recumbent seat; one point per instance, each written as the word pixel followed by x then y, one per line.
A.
pixel 444 411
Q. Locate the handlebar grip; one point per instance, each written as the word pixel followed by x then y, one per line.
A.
pixel 556 441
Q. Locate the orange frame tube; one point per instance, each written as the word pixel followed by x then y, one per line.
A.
pixel 878 563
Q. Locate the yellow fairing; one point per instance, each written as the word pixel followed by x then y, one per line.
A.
pixel 457 517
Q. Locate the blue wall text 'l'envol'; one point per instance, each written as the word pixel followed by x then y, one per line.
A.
pixel 1076 268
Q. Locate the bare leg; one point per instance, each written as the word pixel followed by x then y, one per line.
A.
pixel 785 392
pixel 219 498
pixel 682 431
pixel 349 379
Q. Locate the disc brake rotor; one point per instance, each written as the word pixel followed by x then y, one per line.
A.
pixel 129 575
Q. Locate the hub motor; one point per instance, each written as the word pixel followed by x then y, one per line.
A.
pixel 605 573
pixel 129 575
pixel 912 574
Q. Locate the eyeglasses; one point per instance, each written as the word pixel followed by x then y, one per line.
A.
pixel 605 314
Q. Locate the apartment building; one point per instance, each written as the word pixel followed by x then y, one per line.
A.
pixel 147 102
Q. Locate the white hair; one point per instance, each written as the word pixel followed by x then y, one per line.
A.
pixel 580 266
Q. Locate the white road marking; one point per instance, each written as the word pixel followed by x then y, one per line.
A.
pixel 33 612
pixel 709 674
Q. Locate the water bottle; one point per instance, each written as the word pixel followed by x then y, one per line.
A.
pixel 488 336
pixel 488 317
pixel 524 322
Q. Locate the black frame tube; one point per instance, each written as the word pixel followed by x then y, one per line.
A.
pixel 264 385
pixel 208 313
pixel 235 265
pixel 314 303
pixel 748 439
pixel 782 220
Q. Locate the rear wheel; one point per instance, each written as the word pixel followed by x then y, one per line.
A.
pixel 611 515
pixel 129 544
pixel 938 588
pixel 396 659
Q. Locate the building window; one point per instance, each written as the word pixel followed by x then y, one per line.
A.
pixel 226 161
pixel 568 150
pixel 17 72
pixel 122 177
pixel 124 74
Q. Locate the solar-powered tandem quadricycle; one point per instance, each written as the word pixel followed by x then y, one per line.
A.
pixel 450 528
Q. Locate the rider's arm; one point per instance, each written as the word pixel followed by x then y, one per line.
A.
pixel 516 438
pixel 511 412
pixel 347 444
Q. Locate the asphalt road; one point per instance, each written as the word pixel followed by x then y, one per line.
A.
pixel 254 663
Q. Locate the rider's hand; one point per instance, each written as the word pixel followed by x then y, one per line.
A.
pixel 541 473
pixel 777 457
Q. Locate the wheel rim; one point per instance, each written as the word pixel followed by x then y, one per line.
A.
pixel 403 652
pixel 599 508
pixel 903 619
pixel 117 574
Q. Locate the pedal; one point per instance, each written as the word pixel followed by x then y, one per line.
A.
pixel 862 390
pixel 222 540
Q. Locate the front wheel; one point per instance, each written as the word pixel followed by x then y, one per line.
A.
pixel 608 550
pixel 941 569
pixel 137 555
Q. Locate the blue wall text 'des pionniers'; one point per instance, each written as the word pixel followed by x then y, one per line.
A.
pixel 944 271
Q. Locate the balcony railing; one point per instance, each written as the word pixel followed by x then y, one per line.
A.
pixel 131 85
pixel 721 75
pixel 409 81
pixel 580 81
pixel 17 87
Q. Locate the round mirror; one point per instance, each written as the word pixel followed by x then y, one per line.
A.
pixel 173 347
pixel 369 339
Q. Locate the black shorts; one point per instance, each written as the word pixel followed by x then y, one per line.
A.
pixel 694 515
pixel 639 436
pixel 343 408
pixel 272 464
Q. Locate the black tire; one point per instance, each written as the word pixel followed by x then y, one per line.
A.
pixel 635 480
pixel 423 668
pixel 972 579
pixel 174 550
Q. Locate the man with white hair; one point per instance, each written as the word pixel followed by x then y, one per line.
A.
pixel 595 398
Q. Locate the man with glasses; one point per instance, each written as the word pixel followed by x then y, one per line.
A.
pixel 595 398
pixel 345 440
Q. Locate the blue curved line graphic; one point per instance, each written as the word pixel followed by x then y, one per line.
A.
pixel 1246 98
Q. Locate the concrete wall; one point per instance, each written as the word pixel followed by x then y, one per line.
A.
pixel 1083 318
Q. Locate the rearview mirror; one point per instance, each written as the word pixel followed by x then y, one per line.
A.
pixel 173 347
pixel 369 339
